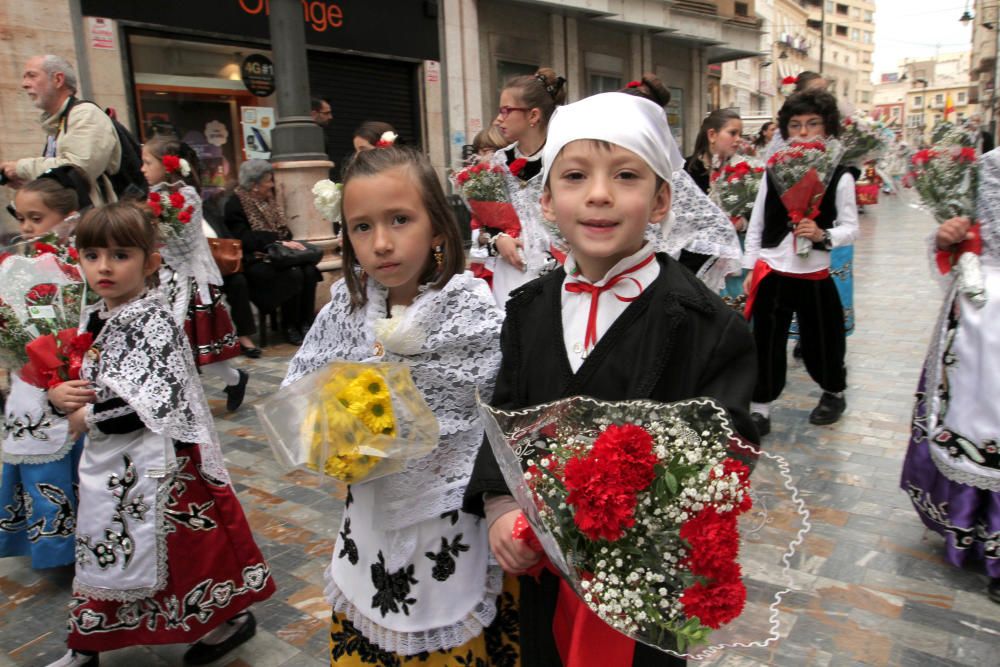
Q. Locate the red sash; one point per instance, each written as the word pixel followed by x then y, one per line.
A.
pixel 762 270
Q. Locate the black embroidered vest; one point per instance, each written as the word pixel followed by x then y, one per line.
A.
pixel 776 222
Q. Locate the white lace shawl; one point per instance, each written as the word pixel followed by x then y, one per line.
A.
pixel 450 338
pixel 988 203
pixel 697 225
pixel 189 255
pixel 144 358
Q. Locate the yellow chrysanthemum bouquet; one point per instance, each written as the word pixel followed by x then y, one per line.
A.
pixel 351 421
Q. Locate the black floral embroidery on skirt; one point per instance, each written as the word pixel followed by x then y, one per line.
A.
pixel 392 590
pixel 350 549
pixel 444 560
pixel 349 641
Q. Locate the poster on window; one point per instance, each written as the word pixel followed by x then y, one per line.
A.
pixel 257 125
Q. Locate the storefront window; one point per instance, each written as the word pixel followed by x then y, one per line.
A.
pixel 507 70
pixel 194 91
pixel 603 83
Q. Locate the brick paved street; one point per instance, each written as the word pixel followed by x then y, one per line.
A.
pixel 879 592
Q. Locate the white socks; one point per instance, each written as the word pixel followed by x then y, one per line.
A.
pixel 763 409
pixel 223 371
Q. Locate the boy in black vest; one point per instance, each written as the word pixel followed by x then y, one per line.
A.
pixel 787 283
pixel 617 322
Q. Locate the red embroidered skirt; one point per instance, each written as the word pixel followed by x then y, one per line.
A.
pixel 214 571
pixel 210 329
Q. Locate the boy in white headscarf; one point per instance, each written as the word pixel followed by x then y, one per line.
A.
pixel 618 321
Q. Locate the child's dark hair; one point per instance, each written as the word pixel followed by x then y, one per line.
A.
pixel 713 121
pixel 544 90
pixel 371 163
pixel 59 191
pixel 818 102
pixel 372 130
pixel 804 79
pixel 161 146
pixel 123 224
pixel 649 87
pixel 761 139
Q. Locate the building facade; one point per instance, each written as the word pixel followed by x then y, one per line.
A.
pixel 983 66
pixel 432 69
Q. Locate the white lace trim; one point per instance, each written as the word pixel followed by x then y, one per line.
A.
pixel 975 477
pixel 435 639
pixel 189 255
pixel 35 459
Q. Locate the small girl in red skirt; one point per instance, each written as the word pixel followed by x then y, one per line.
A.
pixel 189 278
pixel 164 553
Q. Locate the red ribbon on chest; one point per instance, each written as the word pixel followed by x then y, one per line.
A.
pixel 595 293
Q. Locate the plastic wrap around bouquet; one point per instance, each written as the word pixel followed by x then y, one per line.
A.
pixel 864 139
pixel 946 178
pixel 484 192
pixel 735 186
pixel 41 294
pixel 802 171
pixel 351 421
pixel 651 515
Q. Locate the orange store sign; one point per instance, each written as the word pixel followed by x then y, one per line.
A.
pixel 317 14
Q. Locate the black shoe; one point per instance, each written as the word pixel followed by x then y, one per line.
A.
pixel 993 590
pixel 829 409
pixel 250 352
pixel 202 654
pixel 236 392
pixel 293 335
pixel 762 423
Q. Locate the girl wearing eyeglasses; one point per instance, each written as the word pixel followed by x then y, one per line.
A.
pixel 524 252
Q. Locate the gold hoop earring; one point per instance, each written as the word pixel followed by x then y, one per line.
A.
pixel 439 257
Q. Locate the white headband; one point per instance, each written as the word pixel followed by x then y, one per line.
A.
pixel 631 122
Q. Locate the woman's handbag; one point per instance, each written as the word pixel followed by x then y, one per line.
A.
pixel 228 255
pixel 282 257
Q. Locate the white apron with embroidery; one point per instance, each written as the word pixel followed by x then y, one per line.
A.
pixel 120 546
pixel 32 432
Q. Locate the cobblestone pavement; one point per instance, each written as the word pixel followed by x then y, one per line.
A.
pixel 879 592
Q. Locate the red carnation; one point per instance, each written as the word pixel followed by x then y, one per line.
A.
pixel 154 198
pixel 517 165
pixel 185 215
pixel 73 253
pixel 462 178
pixel 156 208
pixel 177 200
pixel 41 292
pixel 45 248
pixel 604 510
pixel 967 155
pixel 711 532
pixel 714 605
pixel 627 451
pixel 171 163
pixel 634 84
pixel 920 158
pixel 729 466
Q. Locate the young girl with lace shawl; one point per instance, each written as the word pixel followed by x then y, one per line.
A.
pixel 411 579
pixel 153 486
pixel 952 467
pixel 526 104
pixel 190 279
pixel 37 495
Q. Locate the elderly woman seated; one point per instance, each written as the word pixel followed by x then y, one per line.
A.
pixel 256 218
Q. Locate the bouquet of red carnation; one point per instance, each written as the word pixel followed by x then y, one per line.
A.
pixel 801 171
pixel 171 211
pixel 735 187
pixel 484 191
pixel 787 86
pixel 640 507
pixel 56 358
pixel 41 292
pixel 946 177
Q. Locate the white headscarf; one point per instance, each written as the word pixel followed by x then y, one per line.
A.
pixel 631 122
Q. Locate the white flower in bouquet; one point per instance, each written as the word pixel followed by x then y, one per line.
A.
pixel 327 199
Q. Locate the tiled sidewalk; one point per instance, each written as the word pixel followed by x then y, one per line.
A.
pixel 879 592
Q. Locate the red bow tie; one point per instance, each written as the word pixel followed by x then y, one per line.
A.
pixel 595 294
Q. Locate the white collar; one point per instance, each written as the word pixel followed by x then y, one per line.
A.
pixel 623 265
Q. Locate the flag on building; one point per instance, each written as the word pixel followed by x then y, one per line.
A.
pixel 949 106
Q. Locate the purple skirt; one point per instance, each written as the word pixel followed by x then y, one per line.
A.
pixel 967 517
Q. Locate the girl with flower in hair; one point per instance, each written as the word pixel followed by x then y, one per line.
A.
pixel 373 134
pixel 526 104
pixel 37 494
pixel 189 278
pixel 411 580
